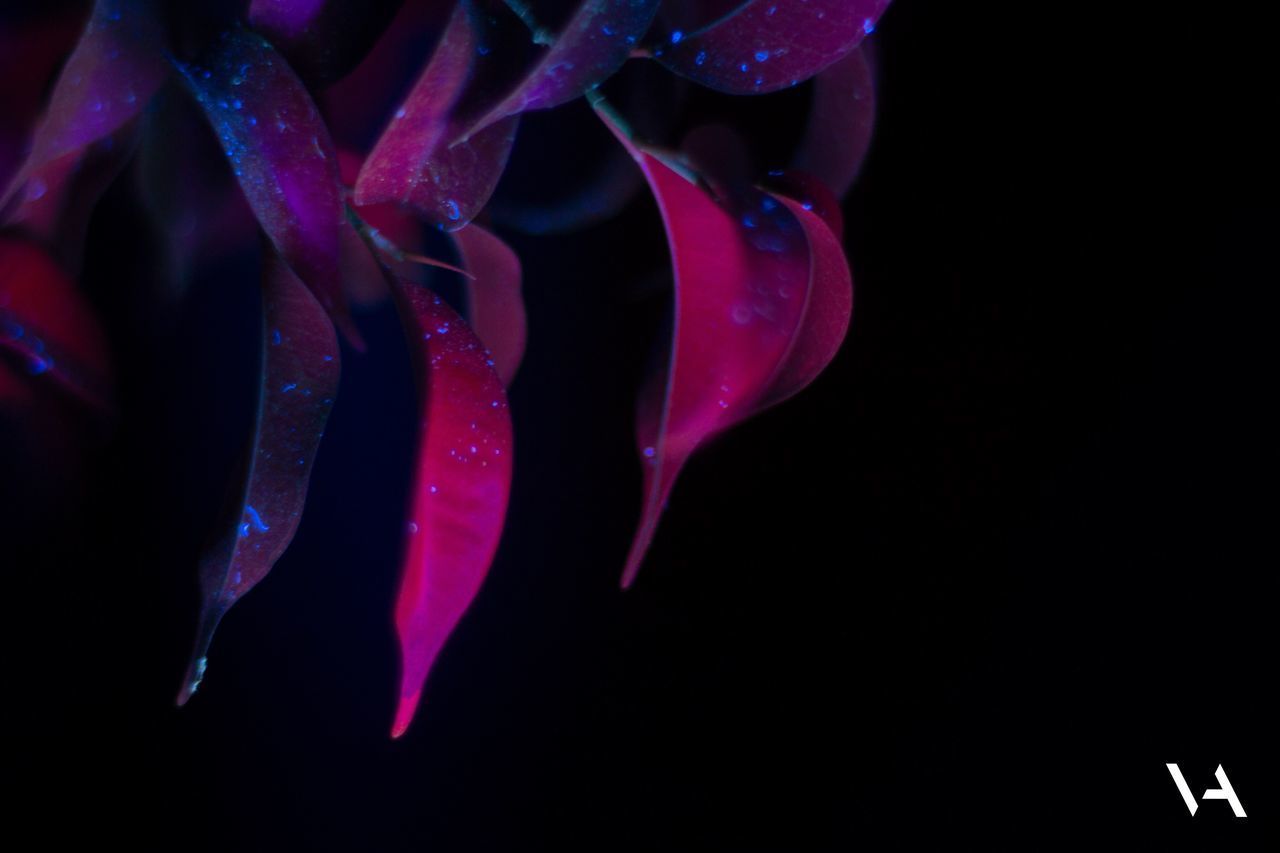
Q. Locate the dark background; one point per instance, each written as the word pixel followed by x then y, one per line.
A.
pixel 1004 560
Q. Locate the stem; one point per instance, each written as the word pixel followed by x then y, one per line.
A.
pixel 541 35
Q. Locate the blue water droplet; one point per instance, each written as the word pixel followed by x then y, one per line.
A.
pixel 700 58
pixel 868 26
pixel 676 37
pixel 762 55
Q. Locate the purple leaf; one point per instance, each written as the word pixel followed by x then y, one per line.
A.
pixel 462 480
pixel 112 73
pixel 414 162
pixel 281 154
pixel 496 309
pixel 840 123
pixel 300 371
pixel 594 43
pixel 748 276
pixel 766 45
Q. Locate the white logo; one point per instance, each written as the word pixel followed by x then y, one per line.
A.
pixel 1224 792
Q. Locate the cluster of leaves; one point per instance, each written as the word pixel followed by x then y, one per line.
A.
pixel 762 288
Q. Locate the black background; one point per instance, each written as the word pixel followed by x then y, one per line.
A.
pixel 1009 556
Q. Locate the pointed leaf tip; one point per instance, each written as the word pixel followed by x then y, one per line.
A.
pixel 300 373
pixel 462 481
pixel 762 295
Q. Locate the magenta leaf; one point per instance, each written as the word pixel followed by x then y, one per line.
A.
pixel 282 156
pixel 841 119
pixel 766 45
pixel 48 327
pixel 415 162
pixel 322 39
pixel 108 79
pixel 590 47
pixel 496 309
pixel 462 479
pixel 747 330
pixel 300 371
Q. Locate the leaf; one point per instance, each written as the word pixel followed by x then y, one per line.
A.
pixel 414 162
pixel 766 45
pixel 322 39
pixel 49 327
pixel 841 119
pixel 462 480
pixel 496 309
pixel 592 45
pixel 300 372
pixel 282 156
pixel 108 79
pixel 762 302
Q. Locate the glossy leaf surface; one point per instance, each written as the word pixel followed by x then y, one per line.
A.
pixel 462 480
pixel 766 45
pixel 300 372
pixel 415 162
pixel 282 156
pixel 746 270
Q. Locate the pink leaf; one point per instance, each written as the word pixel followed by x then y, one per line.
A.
pixel 461 484
pixel 590 47
pixel 496 309
pixel 300 372
pixel 840 122
pixel 281 153
pixel 415 162
pixel 766 45
pixel 49 327
pixel 108 79
pixel 762 302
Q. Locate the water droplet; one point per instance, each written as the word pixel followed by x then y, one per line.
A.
pixel 649 452
pixel 700 58
pixel 676 37
pixel 275 337
pixel 762 55
pixel 451 207
pixel 868 26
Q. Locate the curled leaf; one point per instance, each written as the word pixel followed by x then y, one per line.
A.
pixel 762 302
pixel 462 480
pixel 415 162
pixel 766 45
pixel 841 119
pixel 590 47
pixel 496 309
pixel 282 156
pixel 300 372
pixel 108 79
pixel 47 326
